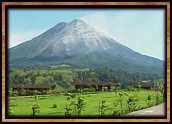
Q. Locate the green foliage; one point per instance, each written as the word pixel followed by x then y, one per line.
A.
pixel 49 92
pixel 22 92
pixel 117 110
pixel 71 89
pixel 35 110
pixel 80 105
pixel 139 85
pixel 57 89
pixel 63 77
pixel 103 107
pixel 159 98
pixel 10 92
pixel 68 110
pixel 121 95
pixel 159 86
pixel 10 109
pixel 36 97
pixel 75 106
pixel 55 106
pixel 118 86
pixel 149 100
pixel 131 88
pixel 41 80
pixel 118 104
pixel 132 103
pixel 111 107
pixel 15 93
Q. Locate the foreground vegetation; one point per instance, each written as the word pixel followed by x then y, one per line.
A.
pixel 65 101
pixel 85 104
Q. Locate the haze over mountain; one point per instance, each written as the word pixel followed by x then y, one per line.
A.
pixel 79 44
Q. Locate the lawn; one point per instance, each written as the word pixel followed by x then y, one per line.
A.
pixel 22 106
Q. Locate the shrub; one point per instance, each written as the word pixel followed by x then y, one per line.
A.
pixel 80 106
pixel 68 111
pixel 103 107
pixel 36 97
pixel 55 106
pixel 159 98
pixel 149 100
pixel 116 108
pixel 10 110
pixel 132 103
pixel 131 88
pixel 35 110
pixel 75 106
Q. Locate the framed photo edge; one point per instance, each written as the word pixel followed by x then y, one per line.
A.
pixel 4 14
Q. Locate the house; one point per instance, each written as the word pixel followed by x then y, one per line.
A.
pixel 97 85
pixel 31 86
pixel 144 85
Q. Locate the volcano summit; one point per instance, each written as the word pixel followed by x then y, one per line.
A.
pixel 77 43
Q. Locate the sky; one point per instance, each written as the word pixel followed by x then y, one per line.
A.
pixel 139 29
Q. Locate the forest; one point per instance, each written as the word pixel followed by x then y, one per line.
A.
pixel 63 75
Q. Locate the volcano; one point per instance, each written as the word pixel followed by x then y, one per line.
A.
pixel 79 44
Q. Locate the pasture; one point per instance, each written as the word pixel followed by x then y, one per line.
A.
pixel 54 106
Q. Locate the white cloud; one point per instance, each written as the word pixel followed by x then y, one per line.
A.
pixel 140 30
pixel 20 37
pixel 98 21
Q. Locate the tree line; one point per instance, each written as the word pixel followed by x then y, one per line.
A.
pixel 63 77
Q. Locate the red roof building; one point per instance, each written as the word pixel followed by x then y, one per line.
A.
pixel 97 85
pixel 145 85
pixel 32 86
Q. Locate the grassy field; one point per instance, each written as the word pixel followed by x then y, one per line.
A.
pixel 22 106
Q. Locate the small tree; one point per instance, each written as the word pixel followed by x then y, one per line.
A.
pixel 57 89
pixel 80 105
pixel 159 98
pixel 132 103
pixel 139 85
pixel 75 106
pixel 120 94
pixel 103 107
pixel 68 112
pixel 149 100
pixel 35 110
pixel 116 108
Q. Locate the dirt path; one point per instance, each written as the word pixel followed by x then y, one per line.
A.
pixel 158 110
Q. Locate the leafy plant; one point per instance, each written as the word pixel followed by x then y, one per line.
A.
pixel 55 106
pixel 103 107
pixel 80 105
pixel 35 110
pixel 119 102
pixel 120 95
pixel 159 98
pixel 75 107
pixel 116 108
pixel 149 100
pixel 132 103
pixel 10 110
pixel 68 111
pixel 36 97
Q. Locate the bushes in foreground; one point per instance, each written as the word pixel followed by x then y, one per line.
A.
pixel 124 102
